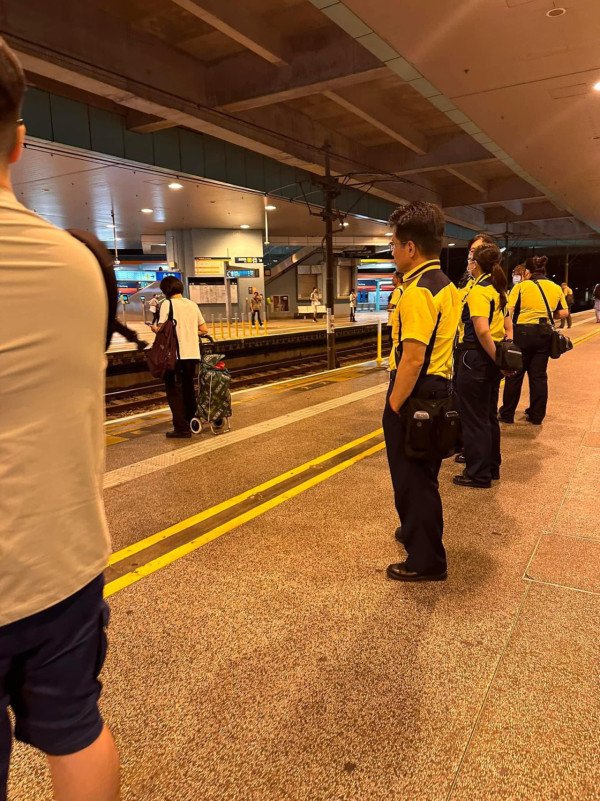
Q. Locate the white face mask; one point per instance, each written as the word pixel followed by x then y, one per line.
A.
pixel 470 266
pixel 516 279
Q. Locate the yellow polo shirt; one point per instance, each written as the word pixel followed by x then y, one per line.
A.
pixel 394 300
pixel 482 301
pixel 528 303
pixel 428 312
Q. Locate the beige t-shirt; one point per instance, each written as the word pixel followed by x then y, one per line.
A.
pixel 53 533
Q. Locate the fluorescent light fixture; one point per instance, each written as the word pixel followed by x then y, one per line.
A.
pixel 270 208
pixel 111 225
pixel 147 211
pixel 451 244
pixel 597 86
pixel 502 250
pixel 389 233
pixel 244 226
pixel 345 224
pixel 175 185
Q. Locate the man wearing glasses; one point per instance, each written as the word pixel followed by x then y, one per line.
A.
pixel 428 314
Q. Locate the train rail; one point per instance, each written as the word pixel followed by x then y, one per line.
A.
pixel 120 402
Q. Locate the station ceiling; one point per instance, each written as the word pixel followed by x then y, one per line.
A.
pixel 486 108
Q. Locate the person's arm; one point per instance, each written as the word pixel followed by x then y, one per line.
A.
pixel 508 326
pixel 409 369
pixel 202 327
pixel 561 308
pixel 484 335
pixel 164 313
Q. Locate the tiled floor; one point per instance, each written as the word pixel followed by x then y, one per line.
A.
pixel 278 664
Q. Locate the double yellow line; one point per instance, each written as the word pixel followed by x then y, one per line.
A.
pixel 174 554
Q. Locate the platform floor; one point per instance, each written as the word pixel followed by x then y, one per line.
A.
pixel 119 343
pixel 258 652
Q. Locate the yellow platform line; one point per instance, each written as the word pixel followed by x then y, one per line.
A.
pixel 187 548
pixel 136 547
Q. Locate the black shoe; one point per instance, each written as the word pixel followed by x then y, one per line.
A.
pixel 398 535
pixel 465 481
pixel 508 420
pixel 178 434
pixel 399 572
pixel 460 458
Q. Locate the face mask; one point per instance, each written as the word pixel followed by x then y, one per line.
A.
pixel 470 266
pixel 516 279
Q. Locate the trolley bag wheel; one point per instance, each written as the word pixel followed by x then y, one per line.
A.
pixel 196 425
pixel 223 428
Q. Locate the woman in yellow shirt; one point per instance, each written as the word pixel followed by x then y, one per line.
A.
pixel 533 333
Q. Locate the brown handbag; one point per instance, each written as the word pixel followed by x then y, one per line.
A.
pixel 164 352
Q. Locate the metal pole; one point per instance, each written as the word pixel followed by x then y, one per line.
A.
pixel 379 356
pixel 567 268
pixel 329 195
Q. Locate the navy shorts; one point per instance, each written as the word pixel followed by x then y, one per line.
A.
pixel 49 666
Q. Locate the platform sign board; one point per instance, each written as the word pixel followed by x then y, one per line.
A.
pixel 211 294
pixel 248 260
pixel 210 267
pixel 242 274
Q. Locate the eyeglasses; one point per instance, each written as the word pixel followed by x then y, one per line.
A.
pixel 394 245
pixel 20 121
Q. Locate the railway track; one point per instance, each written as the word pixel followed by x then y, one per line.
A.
pixel 120 402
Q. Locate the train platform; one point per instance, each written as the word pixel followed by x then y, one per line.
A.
pixel 278 327
pixel 258 652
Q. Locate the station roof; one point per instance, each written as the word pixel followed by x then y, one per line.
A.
pixel 488 111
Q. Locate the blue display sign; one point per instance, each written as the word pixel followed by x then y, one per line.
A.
pixel 242 273
pixel 143 275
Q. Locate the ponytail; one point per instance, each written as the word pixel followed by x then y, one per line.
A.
pixel 500 284
pixel 488 257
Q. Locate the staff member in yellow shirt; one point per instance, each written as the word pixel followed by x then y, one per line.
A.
pixel 568 293
pixel 533 332
pixel 486 321
pixel 428 315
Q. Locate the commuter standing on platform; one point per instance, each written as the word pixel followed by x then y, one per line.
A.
pixel 256 305
pixel 54 542
pixel 315 299
pixel 428 314
pixel 532 333
pixel 596 294
pixel 485 322
pixel 568 293
pixel 393 301
pixel 352 298
pixel 181 391
pixel 154 306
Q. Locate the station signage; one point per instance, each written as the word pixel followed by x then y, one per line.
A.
pixel 242 274
pixel 248 260
pixel 209 266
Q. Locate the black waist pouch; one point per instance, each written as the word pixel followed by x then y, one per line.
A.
pixel 509 356
pixel 432 428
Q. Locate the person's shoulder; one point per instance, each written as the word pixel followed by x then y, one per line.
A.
pixel 433 281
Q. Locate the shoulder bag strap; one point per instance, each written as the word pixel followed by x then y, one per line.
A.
pixel 550 315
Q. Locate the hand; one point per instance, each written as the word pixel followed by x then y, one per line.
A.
pixel 394 405
pixel 154 328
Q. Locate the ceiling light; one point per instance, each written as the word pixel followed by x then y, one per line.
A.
pixel 597 86
pixel 270 208
pixel 111 225
pixel 244 226
pixel 346 224
pixel 175 185
pixel 556 12
pixel 146 211
pixel 451 244
pixel 389 233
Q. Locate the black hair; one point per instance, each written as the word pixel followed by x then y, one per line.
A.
pixel 422 223
pixel 537 264
pixel 12 91
pixel 171 285
pixel 488 258
pixel 486 239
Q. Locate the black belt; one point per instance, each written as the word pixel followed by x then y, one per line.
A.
pixel 468 346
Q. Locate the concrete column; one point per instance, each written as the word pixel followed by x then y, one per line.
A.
pixel 184 246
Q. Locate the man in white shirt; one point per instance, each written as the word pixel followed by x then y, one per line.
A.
pixel 54 542
pixel 181 392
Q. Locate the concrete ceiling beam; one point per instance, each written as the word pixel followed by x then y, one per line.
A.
pixel 69 37
pixel 478 186
pixel 236 20
pixel 361 103
pixel 137 122
pixel 461 151
pixel 532 212
pixel 498 191
pixel 240 83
